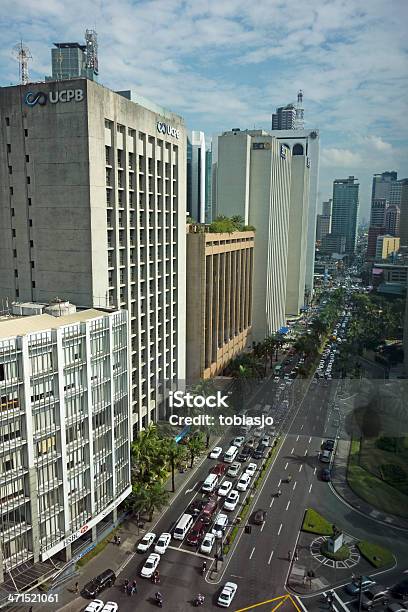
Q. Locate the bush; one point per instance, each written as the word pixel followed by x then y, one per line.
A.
pixel 341 555
pixel 316 523
pixel 393 474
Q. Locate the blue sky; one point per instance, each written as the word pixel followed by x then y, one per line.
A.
pixel 229 63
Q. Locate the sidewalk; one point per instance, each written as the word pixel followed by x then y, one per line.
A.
pixel 340 485
pixel 117 557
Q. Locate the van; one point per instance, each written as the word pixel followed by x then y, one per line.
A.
pixel 210 483
pixel 98 584
pixel 230 455
pixel 183 526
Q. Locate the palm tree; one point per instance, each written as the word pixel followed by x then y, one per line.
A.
pixel 195 445
pixel 175 453
pixel 157 498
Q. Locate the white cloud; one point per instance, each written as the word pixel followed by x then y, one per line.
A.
pixel 339 158
pixel 378 144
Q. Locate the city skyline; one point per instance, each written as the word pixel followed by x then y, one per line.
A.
pixel 354 104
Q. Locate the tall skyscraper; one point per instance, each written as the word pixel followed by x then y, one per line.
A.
pixel 93 210
pixel 196 176
pixel 404 213
pixel 73 60
pixel 323 221
pixel 345 211
pixel 284 118
pixel 327 208
pixel 382 185
pixel 392 219
pixel 253 181
pixel 208 185
pixel 377 216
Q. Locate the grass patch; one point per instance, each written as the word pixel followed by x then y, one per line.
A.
pixel 96 550
pixel 376 555
pixel 316 523
pixel 341 555
pixel 372 489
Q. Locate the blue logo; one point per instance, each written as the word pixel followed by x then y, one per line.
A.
pixel 32 99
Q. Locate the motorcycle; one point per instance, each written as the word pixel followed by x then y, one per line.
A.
pixel 199 601
pixel 159 599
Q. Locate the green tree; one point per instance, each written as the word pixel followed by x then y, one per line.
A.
pixel 195 445
pixel 157 498
pixel 175 453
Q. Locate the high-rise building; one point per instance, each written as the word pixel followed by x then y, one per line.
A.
pixel 284 118
pixel 333 243
pixel 404 213
pixel 378 210
pixel 373 233
pixel 73 60
pixel 297 238
pixel 253 181
pixel 92 209
pixel 196 176
pixel 395 192
pixel 392 219
pixel 386 246
pixel 327 208
pixel 323 225
pixel 64 435
pixel 382 185
pixel 306 142
pixel 208 186
pixel 345 211
pixel 220 270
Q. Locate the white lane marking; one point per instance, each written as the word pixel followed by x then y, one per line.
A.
pixel 297 439
pixel 263 525
pixel 310 488
pixel 280 528
pixel 189 552
pixel 314 471
pixel 301 427
pixel 300 604
pixel 271 504
pixel 300 467
pixel 322 440
pixel 292 451
pixel 235 576
pixel 270 557
pixel 294 486
pixel 286 466
pixel 305 452
pixel 252 552
pixel 190 490
pixel 310 439
pixel 288 504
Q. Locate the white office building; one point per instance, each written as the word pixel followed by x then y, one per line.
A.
pixel 65 425
pixel 93 210
pixel 196 176
pixel 253 181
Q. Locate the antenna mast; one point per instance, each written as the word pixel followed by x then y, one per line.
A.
pixel 22 53
pixel 91 41
pixel 299 119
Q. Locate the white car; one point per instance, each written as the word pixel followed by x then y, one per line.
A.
pixel 216 452
pixel 95 606
pixel 238 441
pixel 233 470
pixel 207 543
pixel 162 543
pixel 150 565
pixel 243 482
pixel 146 542
pixel 225 488
pixel 232 500
pixel 220 525
pixel 251 469
pixel 110 606
pixel 227 594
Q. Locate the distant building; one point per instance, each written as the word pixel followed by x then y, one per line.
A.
pixel 405 337
pixel 64 436
pixel 386 246
pixel 323 225
pixel 327 208
pixel 284 118
pixel 345 211
pixel 378 209
pixel 392 219
pixel 73 60
pixel 333 243
pixel 404 213
pixel 373 233
pixel 382 185
pixel 208 186
pixel 220 272
pixel 196 176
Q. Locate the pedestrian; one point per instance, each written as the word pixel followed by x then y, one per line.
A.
pixel 134 586
pixel 76 587
pixel 115 539
pixel 118 541
pixel 129 589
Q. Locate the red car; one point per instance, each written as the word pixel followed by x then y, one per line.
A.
pixel 219 469
pixel 196 533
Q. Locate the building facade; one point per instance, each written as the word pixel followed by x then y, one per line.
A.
pixel 382 185
pixel 377 214
pixel 345 211
pixel 333 243
pixel 284 118
pixel 208 186
pixel 323 225
pixel 220 269
pixel 386 246
pixel 404 213
pixel 392 219
pixel 92 209
pixel 196 176
pixel 65 425
pixel 73 60
pixel 253 181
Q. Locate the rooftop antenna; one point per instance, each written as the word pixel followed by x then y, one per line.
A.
pixel 22 53
pixel 299 119
pixel 91 41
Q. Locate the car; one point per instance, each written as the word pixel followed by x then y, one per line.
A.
pixel 259 452
pixel 95 606
pixel 325 475
pixel 243 482
pixel 325 456
pixel 225 488
pixel 400 590
pixel 207 543
pixel 195 507
pixel 234 469
pixel 354 587
pixel 150 565
pixel 259 517
pixel 162 543
pixel 266 441
pixel 251 469
pixel 250 443
pixel 238 441
pixel 146 542
pixel 110 606
pixel 232 500
pixel 374 596
pixel 329 445
pixel 215 453
pixel 220 525
pixel 196 533
pixel 227 594
pixel 244 455
pixel 103 581
pixel 219 469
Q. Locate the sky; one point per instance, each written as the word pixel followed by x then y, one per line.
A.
pixel 223 64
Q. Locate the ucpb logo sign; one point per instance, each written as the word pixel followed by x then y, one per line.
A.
pixel 165 128
pixel 64 95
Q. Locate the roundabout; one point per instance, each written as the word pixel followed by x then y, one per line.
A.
pixel 347 557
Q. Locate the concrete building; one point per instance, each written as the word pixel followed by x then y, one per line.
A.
pixel 333 243
pixel 253 181
pixel 404 213
pixel 297 239
pixel 392 219
pixel 405 336
pixel 392 272
pixel 208 186
pixel 306 142
pixel 73 60
pixel 327 208
pixel 345 211
pixel 378 210
pixel 92 209
pixel 386 246
pixel 65 426
pixel 284 118
pixel 382 185
pixel 323 226
pixel 196 176
pixel 373 233
pixel 220 270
